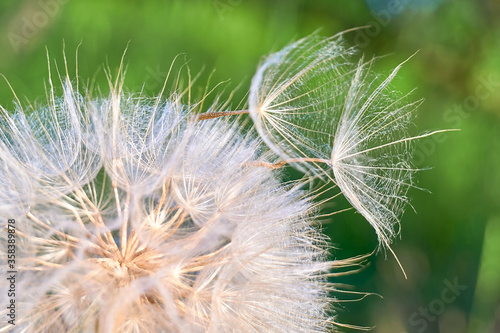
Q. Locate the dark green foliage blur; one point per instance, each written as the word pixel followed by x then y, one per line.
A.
pixel 450 244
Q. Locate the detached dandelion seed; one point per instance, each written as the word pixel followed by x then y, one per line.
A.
pixel 325 113
pixel 137 214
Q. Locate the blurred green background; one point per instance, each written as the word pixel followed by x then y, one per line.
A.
pixel 450 247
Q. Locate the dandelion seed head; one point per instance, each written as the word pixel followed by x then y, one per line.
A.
pixel 134 214
pixel 154 223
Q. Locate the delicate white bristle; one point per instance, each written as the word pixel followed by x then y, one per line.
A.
pixel 136 214
pixel 330 115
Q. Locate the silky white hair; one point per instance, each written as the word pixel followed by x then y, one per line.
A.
pixel 136 214
pixel 326 113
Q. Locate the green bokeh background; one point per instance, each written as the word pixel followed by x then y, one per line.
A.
pixel 454 235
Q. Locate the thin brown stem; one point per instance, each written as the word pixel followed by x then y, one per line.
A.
pixel 46 226
pixel 212 115
pixel 281 164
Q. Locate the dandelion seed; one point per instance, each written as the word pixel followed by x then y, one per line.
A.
pixel 325 113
